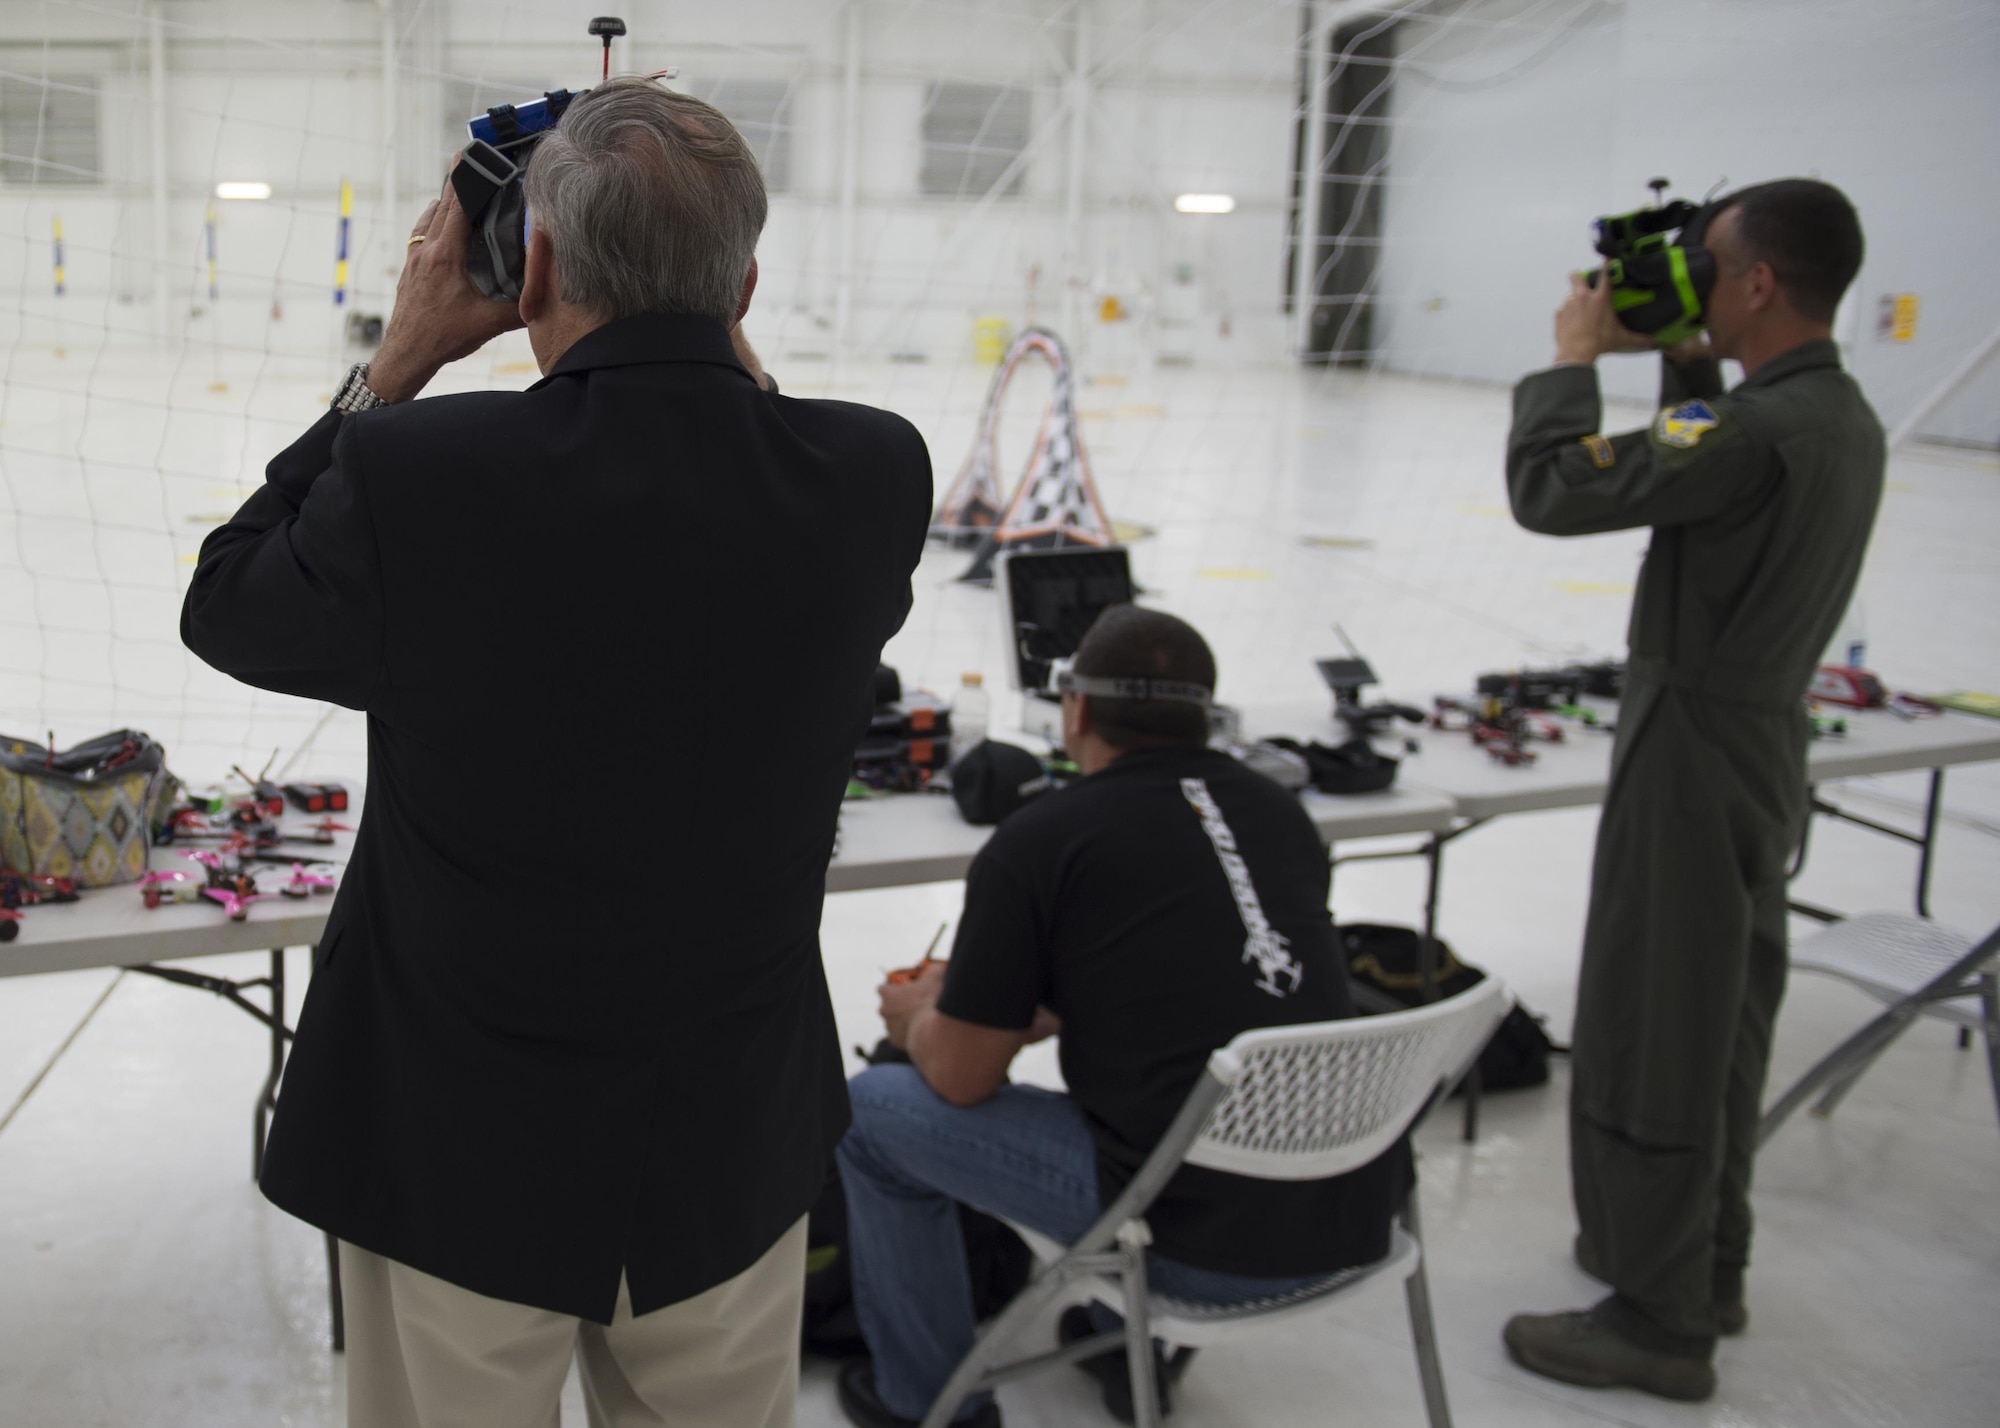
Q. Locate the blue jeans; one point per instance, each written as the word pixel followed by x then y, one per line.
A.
pixel 1025 1155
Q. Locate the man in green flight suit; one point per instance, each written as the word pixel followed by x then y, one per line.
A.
pixel 1761 501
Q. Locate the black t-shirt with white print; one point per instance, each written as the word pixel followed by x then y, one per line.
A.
pixel 1160 907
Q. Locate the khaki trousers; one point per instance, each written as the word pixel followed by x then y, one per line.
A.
pixel 422 1353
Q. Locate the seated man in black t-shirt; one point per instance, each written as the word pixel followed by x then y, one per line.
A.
pixel 1167 901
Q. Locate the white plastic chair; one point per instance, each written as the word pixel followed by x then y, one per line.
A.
pixel 1288 1103
pixel 1915 968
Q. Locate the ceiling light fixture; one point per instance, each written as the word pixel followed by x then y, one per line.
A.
pixel 1205 203
pixel 243 188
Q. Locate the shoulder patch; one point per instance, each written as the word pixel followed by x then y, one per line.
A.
pixel 1684 426
pixel 1601 454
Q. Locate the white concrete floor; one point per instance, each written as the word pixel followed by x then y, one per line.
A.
pixel 144 1282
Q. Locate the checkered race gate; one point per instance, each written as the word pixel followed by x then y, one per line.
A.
pixel 1056 502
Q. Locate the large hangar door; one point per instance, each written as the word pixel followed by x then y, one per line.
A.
pixel 1351 161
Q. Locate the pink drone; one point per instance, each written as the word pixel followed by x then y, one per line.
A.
pixel 305 882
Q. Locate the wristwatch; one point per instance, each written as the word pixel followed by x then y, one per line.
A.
pixel 355 395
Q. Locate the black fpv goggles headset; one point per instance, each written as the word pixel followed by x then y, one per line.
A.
pixel 1660 273
pixel 487 181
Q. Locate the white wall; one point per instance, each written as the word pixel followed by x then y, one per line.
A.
pixel 1517 122
pixel 1514 135
pixel 1187 94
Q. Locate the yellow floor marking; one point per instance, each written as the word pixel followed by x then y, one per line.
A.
pixel 218 387
pixel 1140 409
pixel 206 520
pixel 1477 508
pixel 1594 587
pixel 511 368
pixel 1093 414
pixel 1337 542
pixel 1125 532
pixel 1224 573
pixel 190 559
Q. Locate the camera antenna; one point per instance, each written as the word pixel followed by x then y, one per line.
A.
pixel 609 27
pixel 1659 186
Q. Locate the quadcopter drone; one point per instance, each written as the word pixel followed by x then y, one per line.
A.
pixel 1347 677
pixel 1503 728
pixel 19 890
pixel 226 881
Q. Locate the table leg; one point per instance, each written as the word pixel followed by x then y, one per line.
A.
pixel 1470 1132
pixel 1926 843
pixel 1805 834
pixel 267 1098
pixel 274 1020
pixel 1427 952
pixel 1432 852
pixel 1427 956
pixel 1927 846
pixel 333 1295
pixel 1989 1007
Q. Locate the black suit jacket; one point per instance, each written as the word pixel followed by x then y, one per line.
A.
pixel 615 637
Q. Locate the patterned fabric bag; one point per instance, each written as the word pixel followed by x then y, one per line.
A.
pixel 84 814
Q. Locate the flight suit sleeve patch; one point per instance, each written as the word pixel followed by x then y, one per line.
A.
pixel 1684 426
pixel 1601 453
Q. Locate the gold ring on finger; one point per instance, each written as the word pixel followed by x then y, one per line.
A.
pixel 418 238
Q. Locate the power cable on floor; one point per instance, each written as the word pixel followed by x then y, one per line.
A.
pixel 49 1065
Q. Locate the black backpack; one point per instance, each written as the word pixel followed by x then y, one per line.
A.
pixel 1384 969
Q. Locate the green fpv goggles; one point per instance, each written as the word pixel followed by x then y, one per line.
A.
pixel 1660 274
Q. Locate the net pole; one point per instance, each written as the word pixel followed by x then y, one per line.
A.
pixel 342 231
pixel 156 43
pixel 215 382
pixel 1079 139
pixel 340 247
pixel 1312 159
pixel 208 245
pixel 850 171
pixel 392 197
pixel 61 281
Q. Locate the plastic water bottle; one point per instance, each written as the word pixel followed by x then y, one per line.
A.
pixel 968 714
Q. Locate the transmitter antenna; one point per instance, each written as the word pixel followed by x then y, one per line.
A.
pixel 609 27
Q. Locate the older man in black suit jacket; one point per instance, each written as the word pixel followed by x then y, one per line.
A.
pixel 566 1076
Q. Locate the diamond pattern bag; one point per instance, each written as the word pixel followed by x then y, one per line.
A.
pixel 84 814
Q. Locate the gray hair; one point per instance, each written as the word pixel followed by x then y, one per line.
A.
pixel 651 200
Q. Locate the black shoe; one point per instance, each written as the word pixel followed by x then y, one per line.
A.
pixel 1576 1347
pixel 1112 1369
pixel 863 1408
